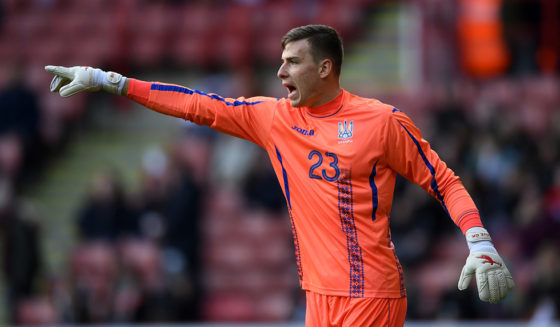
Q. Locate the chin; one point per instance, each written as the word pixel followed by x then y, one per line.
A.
pixel 295 103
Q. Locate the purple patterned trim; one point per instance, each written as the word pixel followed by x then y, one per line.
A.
pixel 346 214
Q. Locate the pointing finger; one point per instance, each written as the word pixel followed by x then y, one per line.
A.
pixel 60 71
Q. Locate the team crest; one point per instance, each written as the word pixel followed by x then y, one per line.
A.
pixel 345 130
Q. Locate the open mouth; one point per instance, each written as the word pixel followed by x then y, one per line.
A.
pixel 291 89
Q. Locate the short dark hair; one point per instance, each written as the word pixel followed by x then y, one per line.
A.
pixel 324 41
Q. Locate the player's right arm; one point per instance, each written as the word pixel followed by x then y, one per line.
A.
pixel 412 157
pixel 249 118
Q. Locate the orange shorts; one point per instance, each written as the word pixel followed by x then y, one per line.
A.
pixel 327 310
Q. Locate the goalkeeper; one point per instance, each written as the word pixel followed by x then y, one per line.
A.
pixel 336 156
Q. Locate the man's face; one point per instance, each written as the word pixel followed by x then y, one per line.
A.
pixel 300 74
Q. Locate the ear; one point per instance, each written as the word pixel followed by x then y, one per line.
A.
pixel 325 68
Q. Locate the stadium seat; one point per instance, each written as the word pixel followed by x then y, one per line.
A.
pixel 194 35
pixel 32 24
pixel 36 311
pixel 275 307
pixel 230 307
pixel 235 50
pixel 229 254
pixel 274 21
pixel 341 16
pixel 148 40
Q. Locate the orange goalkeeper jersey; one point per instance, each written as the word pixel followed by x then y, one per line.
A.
pixel 337 165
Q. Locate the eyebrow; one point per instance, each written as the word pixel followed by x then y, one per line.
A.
pixel 291 58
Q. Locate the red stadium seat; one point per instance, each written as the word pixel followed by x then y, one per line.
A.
pixel 229 307
pixel 275 307
pixel 235 50
pixel 229 254
pixel 276 19
pixel 342 16
pixel 194 35
pixel 148 41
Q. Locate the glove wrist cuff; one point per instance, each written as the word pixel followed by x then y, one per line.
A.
pixel 479 240
pixel 477 234
pixel 110 81
pixel 113 82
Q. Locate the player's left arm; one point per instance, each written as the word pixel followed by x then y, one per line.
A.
pixel 412 157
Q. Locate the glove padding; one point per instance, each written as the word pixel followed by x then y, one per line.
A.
pixel 71 80
pixel 493 279
pixel 492 276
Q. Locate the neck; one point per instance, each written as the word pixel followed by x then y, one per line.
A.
pixel 330 92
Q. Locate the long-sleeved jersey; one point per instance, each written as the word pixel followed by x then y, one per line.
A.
pixel 337 165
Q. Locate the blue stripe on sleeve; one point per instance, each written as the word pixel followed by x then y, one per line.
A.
pixel 285 176
pixel 374 199
pixel 434 185
pixel 180 89
pixel 292 223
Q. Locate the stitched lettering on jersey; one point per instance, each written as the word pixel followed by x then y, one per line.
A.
pixel 346 214
pixel 303 131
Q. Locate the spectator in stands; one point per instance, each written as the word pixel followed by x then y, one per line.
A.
pixel 19 110
pixel 521 31
pixel 545 290
pixel 261 186
pixel 171 198
pixel 142 261
pixel 93 282
pixel 19 234
pixel 11 157
pixel 105 215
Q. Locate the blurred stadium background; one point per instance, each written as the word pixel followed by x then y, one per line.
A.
pixel 112 214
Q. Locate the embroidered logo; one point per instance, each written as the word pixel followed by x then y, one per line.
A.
pixel 345 130
pixel 489 260
pixel 303 131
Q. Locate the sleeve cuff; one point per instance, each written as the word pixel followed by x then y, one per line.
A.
pixel 139 91
pixel 469 220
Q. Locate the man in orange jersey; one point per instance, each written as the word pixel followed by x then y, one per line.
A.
pixel 336 156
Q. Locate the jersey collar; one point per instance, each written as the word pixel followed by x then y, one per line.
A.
pixel 329 108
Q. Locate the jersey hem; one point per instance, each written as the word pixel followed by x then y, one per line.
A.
pixel 396 294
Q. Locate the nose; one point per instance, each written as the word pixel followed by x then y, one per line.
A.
pixel 282 72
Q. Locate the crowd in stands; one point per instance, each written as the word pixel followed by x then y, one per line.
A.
pixel 189 245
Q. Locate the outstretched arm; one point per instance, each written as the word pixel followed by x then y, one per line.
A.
pixel 250 118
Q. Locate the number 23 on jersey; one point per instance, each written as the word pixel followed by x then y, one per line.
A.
pixel 329 174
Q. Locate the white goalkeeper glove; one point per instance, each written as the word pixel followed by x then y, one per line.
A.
pixel 492 276
pixel 71 80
